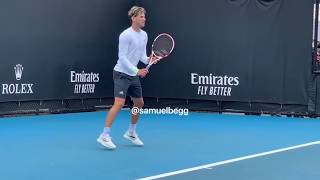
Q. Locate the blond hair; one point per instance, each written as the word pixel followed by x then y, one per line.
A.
pixel 135 11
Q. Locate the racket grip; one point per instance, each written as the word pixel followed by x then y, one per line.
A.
pixel 149 65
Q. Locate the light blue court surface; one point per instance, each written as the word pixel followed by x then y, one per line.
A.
pixel 64 147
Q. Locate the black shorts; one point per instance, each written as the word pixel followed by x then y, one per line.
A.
pixel 126 85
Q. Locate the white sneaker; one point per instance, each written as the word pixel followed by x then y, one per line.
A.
pixel 134 138
pixel 106 142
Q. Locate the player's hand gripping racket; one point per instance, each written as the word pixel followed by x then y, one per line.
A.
pixel 162 46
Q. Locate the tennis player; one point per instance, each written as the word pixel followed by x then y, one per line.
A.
pixel 132 49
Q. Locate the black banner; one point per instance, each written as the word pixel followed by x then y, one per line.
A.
pixel 232 50
pixel 235 50
pixel 56 49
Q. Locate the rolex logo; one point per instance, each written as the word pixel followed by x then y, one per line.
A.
pixel 17 88
pixel 18 71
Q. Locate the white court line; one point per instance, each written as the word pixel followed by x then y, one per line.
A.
pixel 228 161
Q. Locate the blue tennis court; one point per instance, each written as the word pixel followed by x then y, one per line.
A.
pixel 64 146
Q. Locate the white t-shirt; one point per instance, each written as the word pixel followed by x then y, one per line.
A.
pixel 132 49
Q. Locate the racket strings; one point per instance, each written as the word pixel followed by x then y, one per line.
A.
pixel 161 52
pixel 163 45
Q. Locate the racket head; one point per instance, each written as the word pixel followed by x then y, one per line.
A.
pixel 162 45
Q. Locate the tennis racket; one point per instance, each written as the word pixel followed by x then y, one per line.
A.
pixel 162 46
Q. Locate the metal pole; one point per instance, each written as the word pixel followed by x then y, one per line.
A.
pixel 315 38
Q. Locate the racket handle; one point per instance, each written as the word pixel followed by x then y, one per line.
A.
pixel 149 65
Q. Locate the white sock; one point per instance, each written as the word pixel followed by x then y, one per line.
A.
pixel 132 128
pixel 106 131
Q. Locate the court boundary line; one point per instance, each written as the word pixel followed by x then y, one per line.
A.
pixel 211 165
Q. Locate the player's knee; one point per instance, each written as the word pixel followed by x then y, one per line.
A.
pixel 118 105
pixel 139 103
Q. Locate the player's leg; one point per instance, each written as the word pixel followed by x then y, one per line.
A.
pixel 121 85
pixel 116 107
pixel 135 92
